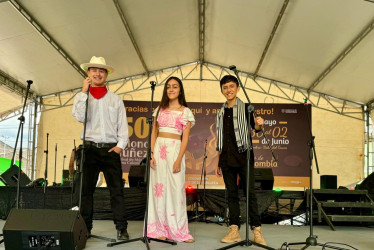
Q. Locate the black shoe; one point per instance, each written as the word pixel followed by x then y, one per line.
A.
pixel 122 234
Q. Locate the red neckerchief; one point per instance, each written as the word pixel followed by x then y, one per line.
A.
pixel 98 92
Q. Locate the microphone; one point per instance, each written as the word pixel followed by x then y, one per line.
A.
pixel 232 67
pixel 153 85
pixel 29 82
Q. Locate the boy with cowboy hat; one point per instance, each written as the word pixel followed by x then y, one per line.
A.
pixel 106 137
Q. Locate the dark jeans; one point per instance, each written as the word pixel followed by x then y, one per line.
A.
pixel 230 177
pixel 96 160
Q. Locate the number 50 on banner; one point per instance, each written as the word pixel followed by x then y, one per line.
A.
pixel 140 127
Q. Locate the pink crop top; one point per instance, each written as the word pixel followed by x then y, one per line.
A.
pixel 172 121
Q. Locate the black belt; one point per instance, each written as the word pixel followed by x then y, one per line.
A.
pixel 100 145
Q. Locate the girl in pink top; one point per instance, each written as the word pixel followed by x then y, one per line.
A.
pixel 167 213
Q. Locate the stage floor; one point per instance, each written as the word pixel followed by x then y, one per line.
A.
pixel 207 236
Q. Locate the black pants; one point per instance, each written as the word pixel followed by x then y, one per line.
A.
pixel 230 177
pixel 96 160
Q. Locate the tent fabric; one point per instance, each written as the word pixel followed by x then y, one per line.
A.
pixel 327 43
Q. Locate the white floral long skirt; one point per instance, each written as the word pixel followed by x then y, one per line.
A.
pixel 167 213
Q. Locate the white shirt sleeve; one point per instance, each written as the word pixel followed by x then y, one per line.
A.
pixel 79 107
pixel 123 127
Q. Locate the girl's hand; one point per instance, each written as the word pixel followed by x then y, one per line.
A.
pixel 177 166
pixel 153 163
pixel 218 172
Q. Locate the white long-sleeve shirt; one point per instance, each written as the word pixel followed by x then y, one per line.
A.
pixel 106 118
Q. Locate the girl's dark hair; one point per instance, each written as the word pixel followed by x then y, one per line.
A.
pixel 165 99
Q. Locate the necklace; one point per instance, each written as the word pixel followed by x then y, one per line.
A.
pixel 175 108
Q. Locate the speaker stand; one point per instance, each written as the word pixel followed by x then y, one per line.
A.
pixel 312 239
pixel 54 180
pixel 101 238
pixel 20 134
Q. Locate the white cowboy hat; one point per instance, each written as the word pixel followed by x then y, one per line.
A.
pixel 97 62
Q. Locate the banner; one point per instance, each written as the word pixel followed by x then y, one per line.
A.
pixel 285 125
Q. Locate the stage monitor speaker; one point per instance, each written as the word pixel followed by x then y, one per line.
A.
pixel 136 176
pixel 44 229
pixel 10 177
pixel 328 182
pixel 264 178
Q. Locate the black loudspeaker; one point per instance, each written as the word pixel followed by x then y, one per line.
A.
pixel 136 176
pixel 10 177
pixel 264 178
pixel 368 184
pixel 328 182
pixel 44 229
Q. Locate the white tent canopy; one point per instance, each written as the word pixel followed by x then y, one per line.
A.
pixel 291 49
pixel 322 46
